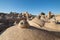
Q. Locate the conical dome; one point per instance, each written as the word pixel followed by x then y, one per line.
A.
pixel 38 21
pixel 31 33
pixel 45 25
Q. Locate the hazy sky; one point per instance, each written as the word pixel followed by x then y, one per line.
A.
pixel 32 6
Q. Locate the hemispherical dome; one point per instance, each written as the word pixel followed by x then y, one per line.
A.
pixel 23 24
pixel 31 33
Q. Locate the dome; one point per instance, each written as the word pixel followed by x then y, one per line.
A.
pixel 23 24
pixel 38 21
pixel 24 31
pixel 31 33
pixel 49 26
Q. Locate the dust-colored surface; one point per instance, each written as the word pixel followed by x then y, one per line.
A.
pixel 47 26
pixel 31 33
pixel 58 17
pixel 36 30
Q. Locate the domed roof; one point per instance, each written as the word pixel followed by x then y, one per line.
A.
pixel 23 24
pixel 23 32
pixel 49 26
pixel 31 33
pixel 38 21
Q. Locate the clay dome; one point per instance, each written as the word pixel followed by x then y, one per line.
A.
pixel 27 30
pixel 23 24
pixel 31 33
pixel 38 21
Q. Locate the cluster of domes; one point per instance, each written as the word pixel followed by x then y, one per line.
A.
pixel 38 28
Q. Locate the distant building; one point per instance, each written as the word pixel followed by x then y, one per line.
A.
pixel 49 15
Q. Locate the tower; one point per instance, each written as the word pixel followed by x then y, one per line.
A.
pixel 49 14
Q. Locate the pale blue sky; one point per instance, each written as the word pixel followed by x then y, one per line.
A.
pixel 32 6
